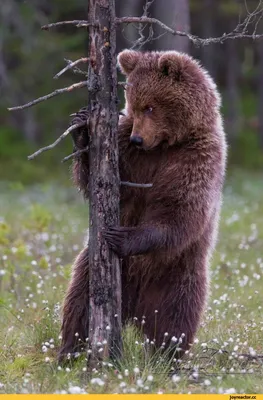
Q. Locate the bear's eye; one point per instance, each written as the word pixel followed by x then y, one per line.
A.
pixel 148 110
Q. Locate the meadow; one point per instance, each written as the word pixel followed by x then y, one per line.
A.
pixel 43 227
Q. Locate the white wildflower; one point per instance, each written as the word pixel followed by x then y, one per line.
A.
pixel 176 378
pixel 75 390
pixel 44 349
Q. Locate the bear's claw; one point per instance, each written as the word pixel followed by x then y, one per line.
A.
pixel 117 239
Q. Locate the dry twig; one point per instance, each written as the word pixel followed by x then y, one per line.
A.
pixel 76 70
pixel 79 152
pixel 124 84
pixel 77 23
pixel 48 96
pixel 75 154
pixel 71 65
pixel 142 40
pixel 137 185
pixel 61 137
pixel 240 32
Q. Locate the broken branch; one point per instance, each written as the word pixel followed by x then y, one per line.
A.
pixel 148 20
pixel 123 183
pixel 76 70
pixel 48 96
pixel 137 185
pixel 237 33
pixel 75 154
pixel 71 65
pixel 77 23
pixel 61 137
pixel 123 84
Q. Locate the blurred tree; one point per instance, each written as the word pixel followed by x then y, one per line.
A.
pixel 260 92
pixel 174 13
pixel 208 53
pixel 232 92
pixel 127 35
pixel 25 55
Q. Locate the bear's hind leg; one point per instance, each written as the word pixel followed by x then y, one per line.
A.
pixel 75 314
pixel 180 302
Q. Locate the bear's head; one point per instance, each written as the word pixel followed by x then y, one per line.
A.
pixel 169 96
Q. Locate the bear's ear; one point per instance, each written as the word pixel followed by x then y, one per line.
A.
pixel 172 64
pixel 127 61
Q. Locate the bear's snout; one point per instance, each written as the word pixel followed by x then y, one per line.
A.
pixel 136 140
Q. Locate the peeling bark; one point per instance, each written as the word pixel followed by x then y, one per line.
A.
pixel 104 284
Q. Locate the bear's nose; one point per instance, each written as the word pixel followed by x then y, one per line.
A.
pixel 137 140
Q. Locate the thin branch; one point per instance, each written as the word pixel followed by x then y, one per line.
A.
pixel 148 20
pixel 242 27
pixel 124 84
pixel 75 154
pixel 142 40
pixel 61 137
pixel 138 185
pixel 71 65
pixel 77 23
pixel 147 5
pixel 240 32
pixel 48 96
pixel 76 70
pixel 257 23
pixel 123 183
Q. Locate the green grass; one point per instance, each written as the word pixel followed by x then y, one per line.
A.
pixel 41 231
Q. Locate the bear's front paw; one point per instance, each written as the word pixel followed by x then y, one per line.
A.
pixel 118 240
pixel 80 116
pixel 80 135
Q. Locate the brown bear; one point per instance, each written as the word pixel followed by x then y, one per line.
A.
pixel 172 137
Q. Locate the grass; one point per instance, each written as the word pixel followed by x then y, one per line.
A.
pixel 41 231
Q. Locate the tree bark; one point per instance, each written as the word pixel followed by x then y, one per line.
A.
pixel 104 283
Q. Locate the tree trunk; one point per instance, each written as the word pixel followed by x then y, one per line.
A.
pixel 104 284
pixel 174 13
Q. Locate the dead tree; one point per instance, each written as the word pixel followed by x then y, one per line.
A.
pixel 104 273
pixel 101 84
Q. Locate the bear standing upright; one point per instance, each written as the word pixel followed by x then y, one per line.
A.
pixel 171 136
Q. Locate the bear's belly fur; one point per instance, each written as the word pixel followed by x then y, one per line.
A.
pixel 161 287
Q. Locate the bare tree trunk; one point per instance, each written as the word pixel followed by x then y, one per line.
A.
pixel 104 284
pixel 174 13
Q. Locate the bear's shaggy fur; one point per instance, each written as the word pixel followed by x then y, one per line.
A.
pixel 171 136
